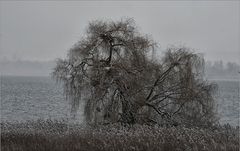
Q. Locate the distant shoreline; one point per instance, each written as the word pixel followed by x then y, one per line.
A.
pixel 35 76
pixel 224 79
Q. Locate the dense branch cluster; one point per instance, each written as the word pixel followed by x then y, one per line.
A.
pixel 110 71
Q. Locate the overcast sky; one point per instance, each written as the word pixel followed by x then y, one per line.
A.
pixel 45 30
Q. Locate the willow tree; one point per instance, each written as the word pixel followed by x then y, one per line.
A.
pixel 111 71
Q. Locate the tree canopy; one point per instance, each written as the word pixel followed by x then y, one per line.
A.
pixel 112 72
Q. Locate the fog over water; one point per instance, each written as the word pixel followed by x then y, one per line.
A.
pixel 213 69
pixel 45 30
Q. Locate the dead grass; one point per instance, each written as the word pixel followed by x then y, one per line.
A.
pixel 58 136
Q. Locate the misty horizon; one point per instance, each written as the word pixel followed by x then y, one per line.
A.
pixel 45 30
pixel 45 68
pixel 34 35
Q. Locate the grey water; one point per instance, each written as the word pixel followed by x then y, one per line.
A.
pixel 32 98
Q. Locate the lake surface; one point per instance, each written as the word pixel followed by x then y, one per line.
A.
pixel 32 98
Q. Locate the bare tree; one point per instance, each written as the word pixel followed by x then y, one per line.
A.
pixel 112 72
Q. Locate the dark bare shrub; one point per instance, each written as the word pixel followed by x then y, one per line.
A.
pixel 111 72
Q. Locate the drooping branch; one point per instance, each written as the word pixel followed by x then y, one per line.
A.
pixel 110 55
pixel 160 78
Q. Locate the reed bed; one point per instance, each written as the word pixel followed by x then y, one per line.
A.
pixel 49 135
